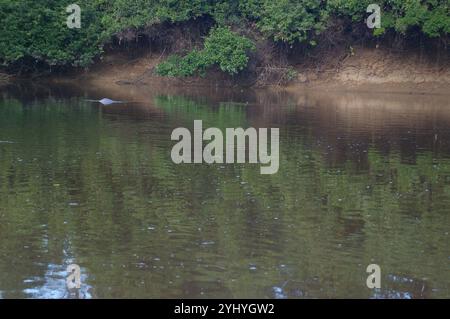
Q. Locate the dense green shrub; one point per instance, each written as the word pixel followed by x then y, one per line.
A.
pixel 223 48
pixel 432 17
pixel 36 30
pixel 194 63
pixel 289 20
pixel 228 50
pixel 119 15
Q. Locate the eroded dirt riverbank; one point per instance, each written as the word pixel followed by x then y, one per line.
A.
pixel 377 69
pixel 372 70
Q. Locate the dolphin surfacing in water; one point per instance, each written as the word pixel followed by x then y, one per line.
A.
pixel 106 101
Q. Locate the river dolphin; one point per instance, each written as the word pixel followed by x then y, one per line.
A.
pixel 106 101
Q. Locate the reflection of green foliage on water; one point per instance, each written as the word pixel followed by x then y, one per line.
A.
pixel 224 115
pixel 77 184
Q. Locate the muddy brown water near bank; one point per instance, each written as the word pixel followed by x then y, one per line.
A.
pixel 364 178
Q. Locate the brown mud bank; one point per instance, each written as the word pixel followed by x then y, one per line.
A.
pixel 360 69
pixel 373 67
pixel 341 60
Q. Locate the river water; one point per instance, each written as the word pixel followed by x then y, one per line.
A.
pixel 363 179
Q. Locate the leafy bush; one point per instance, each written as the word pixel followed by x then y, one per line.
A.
pixel 36 30
pixel 223 47
pixel 432 17
pixel 192 64
pixel 290 20
pixel 228 50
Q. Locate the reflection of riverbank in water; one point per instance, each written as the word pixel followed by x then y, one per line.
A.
pixel 380 102
pixel 362 180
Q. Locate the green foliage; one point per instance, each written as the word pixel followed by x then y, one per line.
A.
pixel 223 48
pixel 291 74
pixel 228 50
pixel 290 20
pixel 193 63
pixel 176 11
pixel 432 17
pixel 36 30
pixel 121 14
